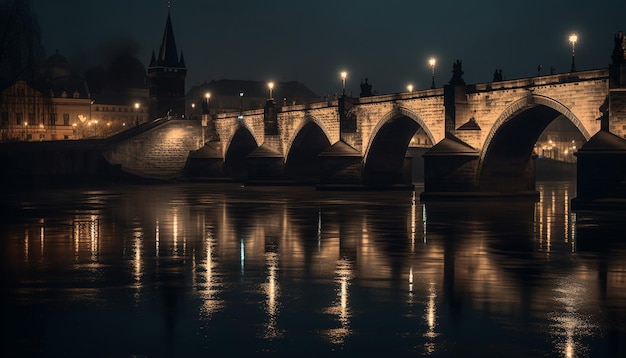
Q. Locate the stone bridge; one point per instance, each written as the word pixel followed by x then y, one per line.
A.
pixel 483 135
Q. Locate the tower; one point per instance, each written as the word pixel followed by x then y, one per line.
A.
pixel 166 77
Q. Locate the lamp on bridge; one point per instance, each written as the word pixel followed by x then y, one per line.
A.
pixel 270 85
pixel 432 61
pixel 208 101
pixel 240 105
pixel 344 74
pixel 573 38
pixel 137 113
pixel 409 88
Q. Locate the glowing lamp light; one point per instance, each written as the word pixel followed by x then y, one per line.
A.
pixel 573 38
pixel 432 61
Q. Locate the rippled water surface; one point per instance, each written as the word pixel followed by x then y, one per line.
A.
pixel 199 269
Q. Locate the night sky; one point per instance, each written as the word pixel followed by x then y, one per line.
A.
pixel 388 42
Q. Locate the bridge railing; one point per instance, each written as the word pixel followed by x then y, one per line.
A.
pixel 543 80
pixel 486 86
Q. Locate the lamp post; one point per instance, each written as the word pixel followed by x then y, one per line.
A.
pixel 344 75
pixel 208 101
pixel 95 128
pixel 409 88
pixel 270 85
pixel 432 61
pixel 572 39
pixel 241 105
pixel 137 113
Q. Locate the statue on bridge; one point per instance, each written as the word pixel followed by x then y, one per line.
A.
pixel 457 73
pixel 497 76
pixel 366 89
pixel 619 51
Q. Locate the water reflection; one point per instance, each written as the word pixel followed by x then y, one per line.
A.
pixel 340 308
pixel 207 282
pixel 260 269
pixel 272 289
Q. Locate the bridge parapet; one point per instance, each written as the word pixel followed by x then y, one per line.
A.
pixel 540 80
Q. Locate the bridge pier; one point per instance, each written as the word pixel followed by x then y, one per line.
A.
pixel 265 165
pixel 206 162
pixel 450 169
pixel 341 166
pixel 601 173
pixel 601 163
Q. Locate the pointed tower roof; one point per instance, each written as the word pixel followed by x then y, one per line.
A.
pixel 181 64
pixel 168 55
pixel 152 60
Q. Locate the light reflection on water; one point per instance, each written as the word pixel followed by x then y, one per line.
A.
pixel 194 268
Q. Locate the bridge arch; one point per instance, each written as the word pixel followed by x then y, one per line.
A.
pixel 505 158
pixel 308 119
pixel 388 142
pixel 302 161
pixel 240 144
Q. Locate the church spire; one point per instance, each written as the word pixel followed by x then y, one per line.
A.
pixel 168 55
pixel 166 76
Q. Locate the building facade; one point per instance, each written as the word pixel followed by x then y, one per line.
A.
pixel 59 106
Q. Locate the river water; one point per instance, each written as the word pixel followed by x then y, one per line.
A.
pixel 196 269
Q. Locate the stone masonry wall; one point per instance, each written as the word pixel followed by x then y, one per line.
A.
pixel 160 152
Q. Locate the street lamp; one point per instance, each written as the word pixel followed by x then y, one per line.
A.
pixel 95 128
pixel 410 88
pixel 344 74
pixel 208 100
pixel 240 105
pixel 270 85
pixel 432 61
pixel 573 38
pixel 137 113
